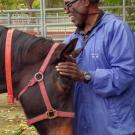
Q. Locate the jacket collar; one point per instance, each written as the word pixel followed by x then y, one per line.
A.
pixel 80 31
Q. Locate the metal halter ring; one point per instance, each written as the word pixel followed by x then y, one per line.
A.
pixel 51 114
pixel 38 76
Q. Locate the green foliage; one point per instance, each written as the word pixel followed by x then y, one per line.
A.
pixel 8 132
pixel 13 122
pixel 7 4
pixel 130 12
pixel 18 4
pixel 36 4
pixel 112 2
pixel 28 4
pixel 54 3
pixel 22 129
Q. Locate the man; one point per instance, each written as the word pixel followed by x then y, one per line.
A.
pixel 104 99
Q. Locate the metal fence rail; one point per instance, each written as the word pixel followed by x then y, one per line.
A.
pixel 55 24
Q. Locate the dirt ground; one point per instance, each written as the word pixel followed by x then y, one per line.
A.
pixel 12 119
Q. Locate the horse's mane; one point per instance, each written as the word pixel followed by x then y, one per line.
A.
pixel 27 46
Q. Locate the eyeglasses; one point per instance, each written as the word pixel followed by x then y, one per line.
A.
pixel 69 4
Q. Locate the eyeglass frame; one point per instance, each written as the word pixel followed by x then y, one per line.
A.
pixel 69 4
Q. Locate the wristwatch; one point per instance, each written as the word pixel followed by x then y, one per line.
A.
pixel 87 77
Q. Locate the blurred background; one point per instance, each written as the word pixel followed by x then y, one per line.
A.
pixel 46 17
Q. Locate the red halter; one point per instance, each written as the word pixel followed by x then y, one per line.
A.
pixel 51 113
pixel 8 66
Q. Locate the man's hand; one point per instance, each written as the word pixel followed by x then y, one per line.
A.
pixel 71 70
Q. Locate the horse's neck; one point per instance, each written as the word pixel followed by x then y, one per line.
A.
pixel 2 48
pixel 2 57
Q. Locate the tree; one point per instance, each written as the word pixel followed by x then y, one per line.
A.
pixel 19 4
pixel 7 4
pixel 54 3
pixel 28 3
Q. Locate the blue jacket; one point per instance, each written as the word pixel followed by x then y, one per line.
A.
pixel 106 105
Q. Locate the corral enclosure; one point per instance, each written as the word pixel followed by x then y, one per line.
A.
pixel 54 23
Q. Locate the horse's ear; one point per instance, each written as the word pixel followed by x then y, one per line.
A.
pixel 76 52
pixel 69 48
pixel 69 51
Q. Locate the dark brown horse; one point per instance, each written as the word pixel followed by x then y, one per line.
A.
pixel 28 54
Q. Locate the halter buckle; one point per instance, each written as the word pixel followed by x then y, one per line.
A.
pixel 51 114
pixel 38 76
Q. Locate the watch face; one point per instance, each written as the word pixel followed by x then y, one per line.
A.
pixel 87 76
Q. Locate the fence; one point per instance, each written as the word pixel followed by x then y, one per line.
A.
pixel 56 24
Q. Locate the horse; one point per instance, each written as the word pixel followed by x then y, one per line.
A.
pixel 27 55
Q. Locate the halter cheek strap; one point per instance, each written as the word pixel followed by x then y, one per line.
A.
pixel 8 66
pixel 51 112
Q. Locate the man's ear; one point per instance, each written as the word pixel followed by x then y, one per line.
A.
pixel 69 48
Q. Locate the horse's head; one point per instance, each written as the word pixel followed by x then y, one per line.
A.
pixel 59 88
pixel 28 54
pixel 62 85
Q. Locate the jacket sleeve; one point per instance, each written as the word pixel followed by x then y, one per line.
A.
pixel 121 57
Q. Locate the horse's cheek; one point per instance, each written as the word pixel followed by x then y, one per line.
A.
pixel 64 130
